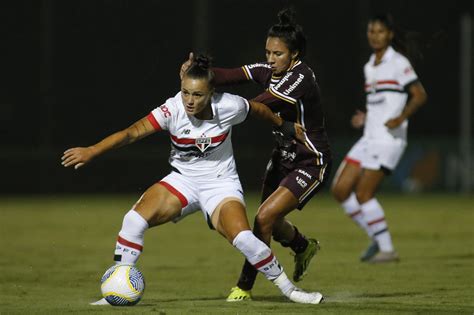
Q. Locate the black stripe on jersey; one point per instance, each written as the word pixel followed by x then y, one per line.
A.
pixel 386 90
pixel 193 148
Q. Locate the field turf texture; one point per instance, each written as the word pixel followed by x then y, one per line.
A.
pixel 54 250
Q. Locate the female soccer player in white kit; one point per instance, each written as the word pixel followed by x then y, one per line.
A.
pixel 204 175
pixel 394 93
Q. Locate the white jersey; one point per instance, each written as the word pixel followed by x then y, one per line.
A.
pixel 201 147
pixel 385 86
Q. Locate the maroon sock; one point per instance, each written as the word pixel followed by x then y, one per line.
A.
pixel 298 244
pixel 247 276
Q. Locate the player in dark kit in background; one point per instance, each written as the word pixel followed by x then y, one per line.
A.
pixel 297 170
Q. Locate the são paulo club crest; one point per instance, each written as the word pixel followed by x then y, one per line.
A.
pixel 203 142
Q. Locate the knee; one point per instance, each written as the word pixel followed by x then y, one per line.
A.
pixel 264 219
pixel 156 213
pixel 363 196
pixel 340 192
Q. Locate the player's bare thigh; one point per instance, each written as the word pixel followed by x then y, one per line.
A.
pixel 368 183
pixel 230 218
pixel 345 180
pixel 158 205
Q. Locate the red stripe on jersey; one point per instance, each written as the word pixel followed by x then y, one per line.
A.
pixel 352 161
pixel 124 242
pixel 376 221
pixel 154 122
pixel 193 141
pixel 383 82
pixel 171 189
pixel 263 262
pixel 388 82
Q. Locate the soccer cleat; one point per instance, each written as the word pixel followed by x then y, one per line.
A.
pixel 237 295
pixel 303 259
pixel 384 257
pixel 300 296
pixel 370 252
pixel 100 302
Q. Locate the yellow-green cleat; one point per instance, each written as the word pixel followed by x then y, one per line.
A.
pixel 303 259
pixel 237 295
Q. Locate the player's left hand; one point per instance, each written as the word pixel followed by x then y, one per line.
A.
pixel 185 66
pixel 394 122
pixel 77 157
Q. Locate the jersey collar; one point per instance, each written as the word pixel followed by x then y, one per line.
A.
pixel 294 65
pixel 297 63
pixel 389 53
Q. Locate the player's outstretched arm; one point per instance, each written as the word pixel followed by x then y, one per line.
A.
pixel 290 129
pixel 80 156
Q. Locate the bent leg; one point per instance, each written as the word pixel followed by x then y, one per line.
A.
pixel 343 190
pixel 273 210
pixel 232 223
pixel 156 206
pixel 345 180
pixel 374 214
pixel 231 218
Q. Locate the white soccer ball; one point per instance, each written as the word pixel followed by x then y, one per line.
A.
pixel 122 285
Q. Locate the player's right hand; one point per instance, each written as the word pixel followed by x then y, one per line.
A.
pixel 77 157
pixel 185 66
pixel 358 119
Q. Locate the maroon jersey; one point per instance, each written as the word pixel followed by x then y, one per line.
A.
pixel 295 96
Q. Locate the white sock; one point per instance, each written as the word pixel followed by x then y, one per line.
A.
pixel 374 217
pixel 261 257
pixel 130 238
pixel 353 210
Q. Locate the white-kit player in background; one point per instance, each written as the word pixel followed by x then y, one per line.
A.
pixel 394 93
pixel 204 175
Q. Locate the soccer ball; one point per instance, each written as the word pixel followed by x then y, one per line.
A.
pixel 122 285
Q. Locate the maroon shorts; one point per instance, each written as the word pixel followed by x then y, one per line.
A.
pixel 304 182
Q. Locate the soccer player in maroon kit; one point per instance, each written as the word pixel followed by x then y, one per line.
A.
pixel 297 170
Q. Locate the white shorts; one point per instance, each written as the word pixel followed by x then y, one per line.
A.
pixel 202 194
pixel 376 154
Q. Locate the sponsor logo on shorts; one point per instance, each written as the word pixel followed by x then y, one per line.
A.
pixel 304 173
pixel 301 182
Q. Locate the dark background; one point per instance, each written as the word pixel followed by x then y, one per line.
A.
pixel 72 72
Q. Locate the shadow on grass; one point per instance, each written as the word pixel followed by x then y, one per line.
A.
pixel 266 299
pixel 384 295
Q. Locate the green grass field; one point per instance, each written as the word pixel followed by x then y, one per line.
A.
pixel 55 249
